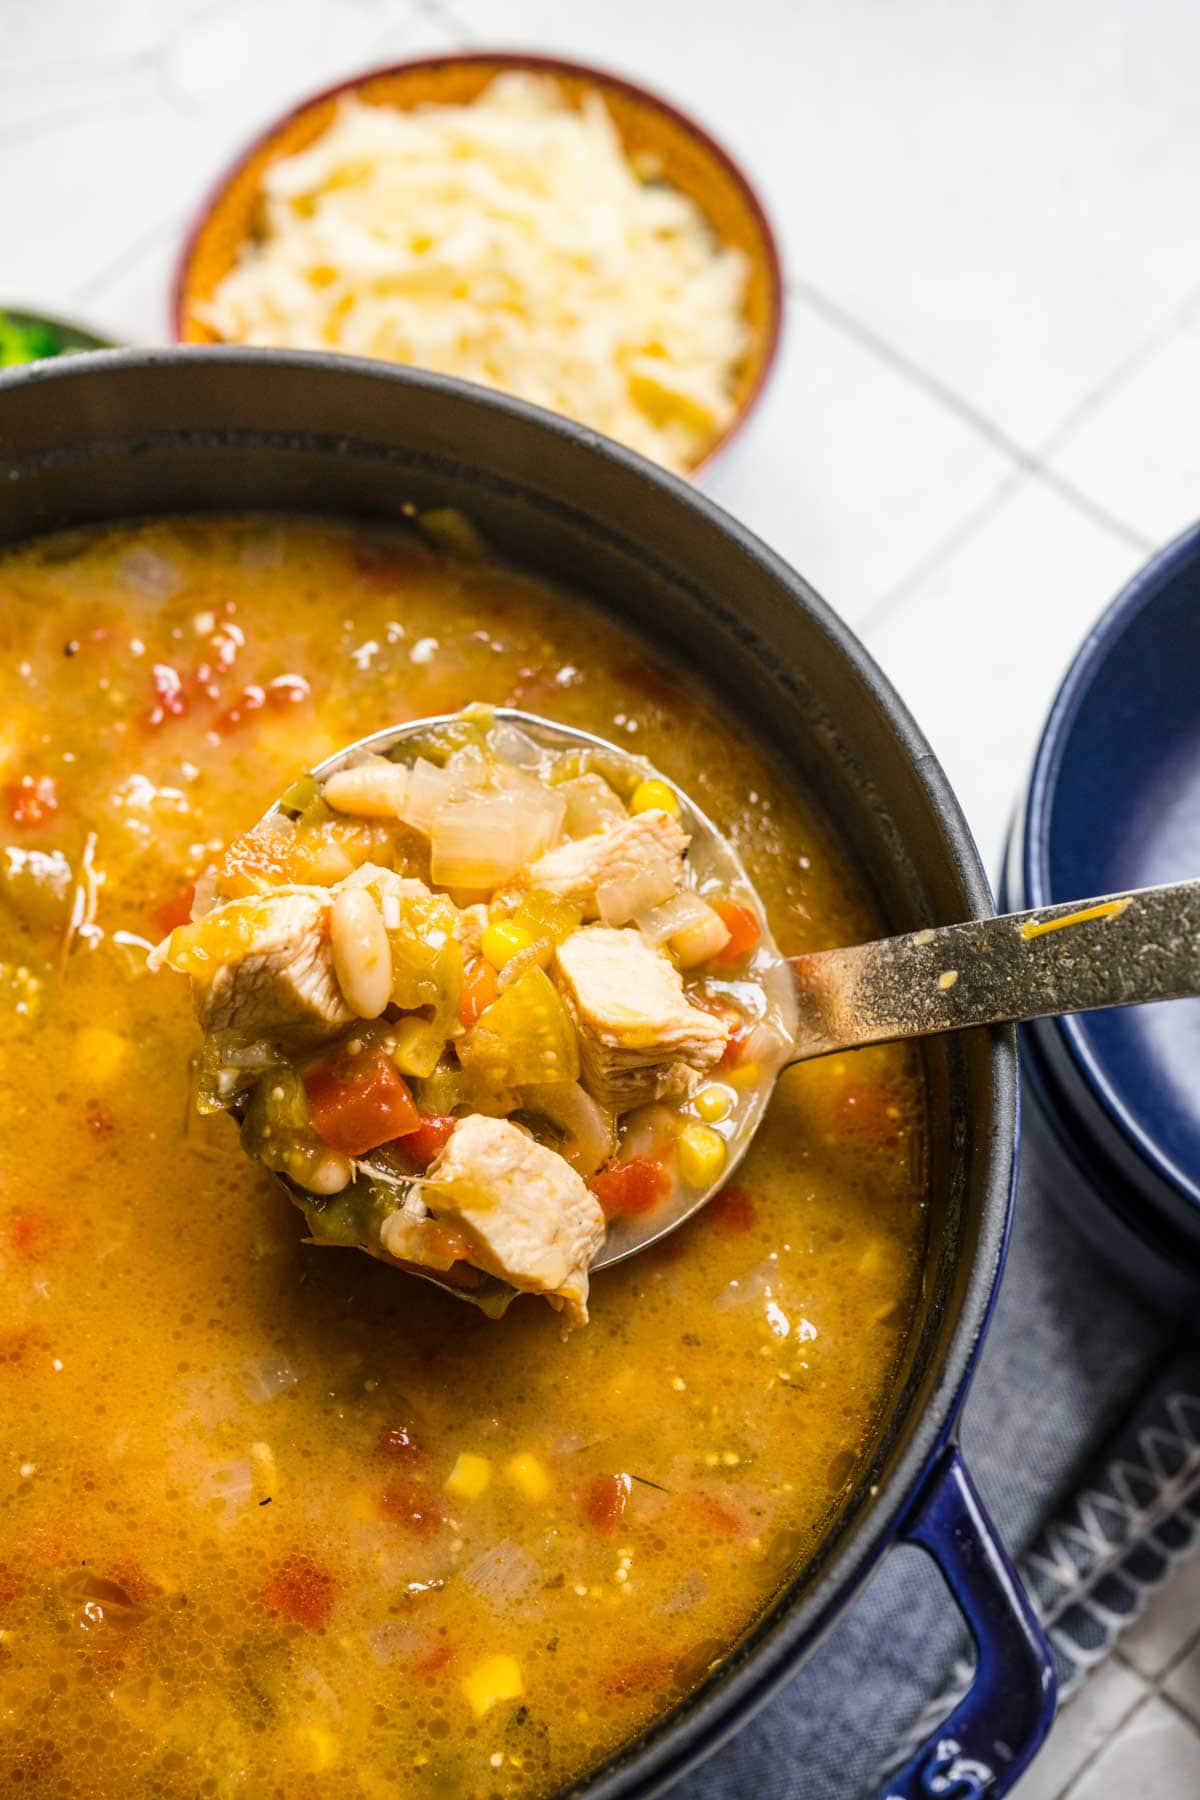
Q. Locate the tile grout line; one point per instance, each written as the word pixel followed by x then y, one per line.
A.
pixel 1026 463
pixel 442 14
pixel 1180 1711
pixel 1089 1762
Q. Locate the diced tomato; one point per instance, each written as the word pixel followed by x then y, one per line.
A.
pixel 175 910
pixel 410 1504
pixel 357 1106
pixel 637 1680
pixel 479 989
pixel 398 1441
pixel 731 1212
pixel 32 800
pixel 632 1187
pixel 170 695
pixel 252 699
pixel 302 1591
pixel 605 1500
pixel 867 1110
pixel 435 1662
pixel 30 1233
pixel 718 1516
pixel 18 1345
pixel 743 928
pixel 429 1136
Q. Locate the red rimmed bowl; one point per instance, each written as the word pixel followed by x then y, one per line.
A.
pixel 690 160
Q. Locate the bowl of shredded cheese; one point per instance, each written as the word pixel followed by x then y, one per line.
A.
pixel 528 224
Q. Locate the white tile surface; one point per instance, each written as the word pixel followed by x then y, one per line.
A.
pixel 1170 1622
pixel 1000 191
pixel 1081 1729
pixel 979 647
pixel 849 469
pixel 1156 1756
pixel 1183 1683
pixel 106 156
pixel 1139 451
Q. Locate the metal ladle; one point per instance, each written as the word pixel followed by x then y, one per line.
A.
pixel 1080 956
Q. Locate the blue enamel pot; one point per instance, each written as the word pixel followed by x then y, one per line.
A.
pixel 1114 802
pixel 128 433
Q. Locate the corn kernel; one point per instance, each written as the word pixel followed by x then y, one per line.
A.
pixel 713 1102
pixel 529 1476
pixel 319 1746
pixel 871 1258
pixel 746 1075
pixel 263 1470
pixel 470 1476
pixel 99 1052
pixel 496 1678
pixel 502 940
pixel 649 796
pixel 701 1155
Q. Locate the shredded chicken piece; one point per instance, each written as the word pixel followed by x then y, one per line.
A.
pixel 575 870
pixel 525 1214
pixel 640 1038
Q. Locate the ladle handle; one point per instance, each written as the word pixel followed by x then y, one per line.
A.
pixel 1078 957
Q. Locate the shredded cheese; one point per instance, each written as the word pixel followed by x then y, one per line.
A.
pixel 510 242
pixel 1107 909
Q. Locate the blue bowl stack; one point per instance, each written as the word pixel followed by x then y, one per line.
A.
pixel 1114 803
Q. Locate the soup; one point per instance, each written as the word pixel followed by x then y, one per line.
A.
pixel 473 998
pixel 277 1520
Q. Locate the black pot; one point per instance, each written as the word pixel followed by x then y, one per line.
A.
pixel 127 433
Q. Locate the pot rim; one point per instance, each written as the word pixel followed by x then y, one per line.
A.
pixel 514 59
pixel 801 1613
pixel 1135 1141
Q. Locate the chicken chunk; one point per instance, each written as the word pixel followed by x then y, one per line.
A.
pixel 263 968
pixel 640 1038
pixel 649 845
pixel 525 1214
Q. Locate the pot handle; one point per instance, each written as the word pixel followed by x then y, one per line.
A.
pixel 994 1731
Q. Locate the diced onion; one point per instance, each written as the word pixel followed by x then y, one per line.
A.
pixel 149 573
pixel 429 789
pixel 676 914
pixel 591 806
pixel 590 1138
pixel 477 842
pixel 501 1574
pixel 621 900
pixel 228 1485
pixel 648 1131
pixel 765 1041
pixel 266 1377
pixel 512 745
pixel 541 810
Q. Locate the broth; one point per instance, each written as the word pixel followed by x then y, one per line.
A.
pixel 230 1562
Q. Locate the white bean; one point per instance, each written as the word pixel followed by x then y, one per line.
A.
pixel 373 789
pixel 331 1174
pixel 362 958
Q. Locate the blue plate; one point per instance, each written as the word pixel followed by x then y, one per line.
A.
pixel 1114 803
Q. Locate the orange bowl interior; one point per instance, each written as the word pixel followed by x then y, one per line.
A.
pixel 648 129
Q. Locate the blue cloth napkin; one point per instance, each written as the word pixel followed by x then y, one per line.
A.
pixel 1082 1429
